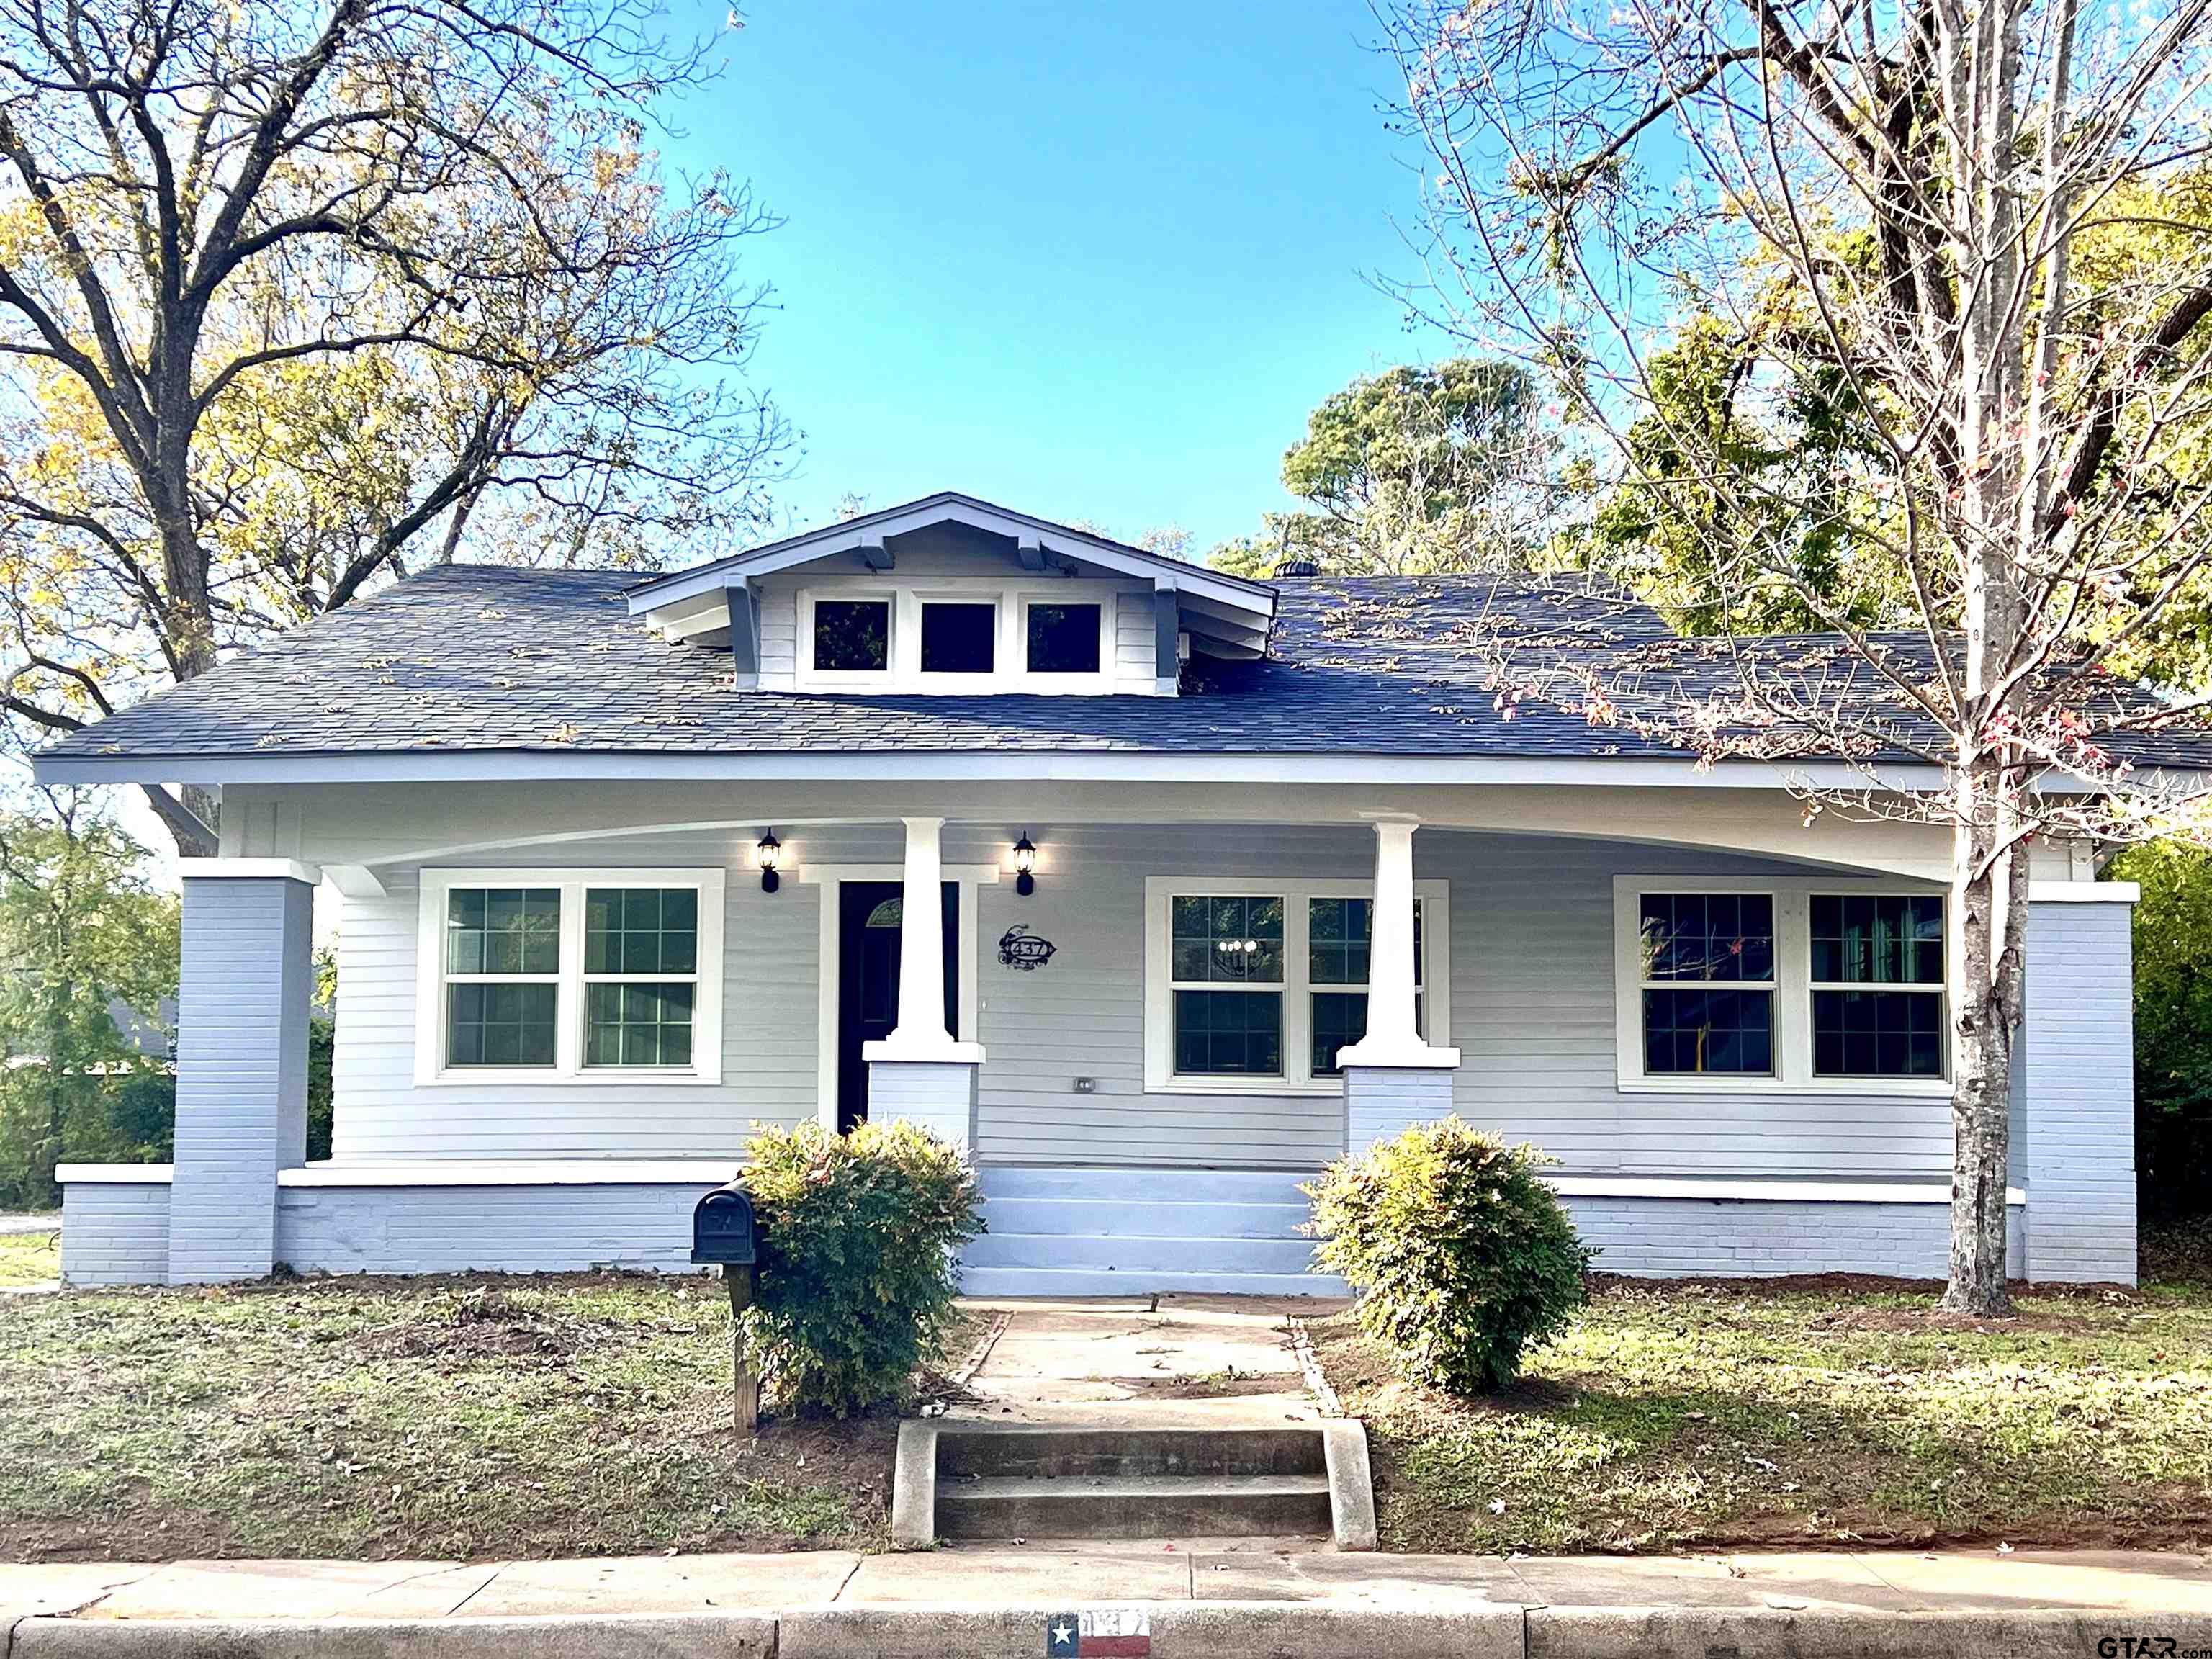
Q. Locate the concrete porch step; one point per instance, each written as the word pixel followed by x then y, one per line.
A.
pixel 1043 1451
pixel 1150 1216
pixel 1143 1183
pixel 1132 1506
pixel 1105 1281
pixel 1214 1253
pixel 960 1477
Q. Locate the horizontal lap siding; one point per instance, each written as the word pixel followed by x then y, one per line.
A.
pixel 1136 644
pixel 769 949
pixel 1083 1015
pixel 1532 1019
pixel 1532 980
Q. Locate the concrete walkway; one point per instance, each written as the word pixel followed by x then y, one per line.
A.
pixel 1196 1596
pixel 1165 1361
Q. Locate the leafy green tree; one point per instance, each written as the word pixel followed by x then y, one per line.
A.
pixel 81 931
pixel 1934 217
pixel 1704 556
pixel 1442 468
pixel 2173 1024
pixel 294 299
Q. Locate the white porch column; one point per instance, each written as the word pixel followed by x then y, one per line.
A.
pixel 921 1027
pixel 1391 1077
pixel 922 1071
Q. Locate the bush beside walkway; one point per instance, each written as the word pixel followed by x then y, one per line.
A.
pixel 1791 1413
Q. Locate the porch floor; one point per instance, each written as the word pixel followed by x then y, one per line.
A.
pixel 1166 1361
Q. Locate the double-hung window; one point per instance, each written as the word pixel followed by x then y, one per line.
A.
pixel 1788 983
pixel 569 976
pixel 1254 986
pixel 1707 966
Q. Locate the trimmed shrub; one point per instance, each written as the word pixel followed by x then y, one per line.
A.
pixel 854 1284
pixel 1463 1256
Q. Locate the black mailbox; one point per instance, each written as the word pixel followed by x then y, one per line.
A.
pixel 722 1227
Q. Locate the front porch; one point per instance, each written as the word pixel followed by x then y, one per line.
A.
pixel 1197 1006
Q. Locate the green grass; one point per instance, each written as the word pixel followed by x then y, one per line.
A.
pixel 30 1258
pixel 1700 1414
pixel 578 1414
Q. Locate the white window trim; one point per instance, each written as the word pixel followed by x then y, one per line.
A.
pixel 1072 683
pixel 912 601
pixel 1297 1079
pixel 1010 663
pixel 1793 1072
pixel 811 678
pixel 568 1067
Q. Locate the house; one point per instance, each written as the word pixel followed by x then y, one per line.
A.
pixel 1154 887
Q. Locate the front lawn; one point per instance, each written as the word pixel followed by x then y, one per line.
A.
pixel 30 1258
pixel 1797 1414
pixel 568 1415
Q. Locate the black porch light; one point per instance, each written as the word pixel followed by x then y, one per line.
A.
pixel 768 853
pixel 1024 865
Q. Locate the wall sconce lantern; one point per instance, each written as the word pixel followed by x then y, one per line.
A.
pixel 769 854
pixel 1024 865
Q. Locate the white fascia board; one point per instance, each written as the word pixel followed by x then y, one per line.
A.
pixel 1026 766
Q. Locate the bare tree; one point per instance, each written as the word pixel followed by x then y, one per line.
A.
pixel 291 294
pixel 1973 233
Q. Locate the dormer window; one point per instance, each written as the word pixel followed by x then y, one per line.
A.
pixel 1064 638
pixel 958 636
pixel 852 636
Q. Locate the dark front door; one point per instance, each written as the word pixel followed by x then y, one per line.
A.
pixel 869 914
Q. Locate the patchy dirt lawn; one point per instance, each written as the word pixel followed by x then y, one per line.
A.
pixel 564 1415
pixel 30 1258
pixel 1797 1414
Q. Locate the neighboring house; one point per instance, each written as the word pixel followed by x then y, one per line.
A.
pixel 567 987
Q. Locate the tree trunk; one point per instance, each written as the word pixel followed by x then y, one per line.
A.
pixel 1988 923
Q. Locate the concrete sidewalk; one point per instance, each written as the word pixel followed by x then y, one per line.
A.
pixel 1221 1599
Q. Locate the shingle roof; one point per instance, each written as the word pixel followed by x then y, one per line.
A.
pixel 481 658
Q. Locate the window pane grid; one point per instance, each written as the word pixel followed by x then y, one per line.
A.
pixel 1878 939
pixel 1708 937
pixel 641 931
pixel 1229 1033
pixel 1225 939
pixel 631 953
pixel 503 931
pixel 1719 1031
pixel 633 1024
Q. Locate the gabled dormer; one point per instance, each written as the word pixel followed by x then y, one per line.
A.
pixel 952 596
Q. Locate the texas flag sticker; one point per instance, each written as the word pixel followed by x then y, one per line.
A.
pixel 1099 1633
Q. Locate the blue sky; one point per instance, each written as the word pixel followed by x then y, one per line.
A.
pixel 1094 261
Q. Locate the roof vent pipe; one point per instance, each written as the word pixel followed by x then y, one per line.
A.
pixel 1297 564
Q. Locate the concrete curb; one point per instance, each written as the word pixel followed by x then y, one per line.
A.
pixel 1470 1629
pixel 914 1486
pixel 1848 1633
pixel 1351 1484
pixel 1180 1630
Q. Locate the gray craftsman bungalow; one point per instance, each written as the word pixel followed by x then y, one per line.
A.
pixel 1153 887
